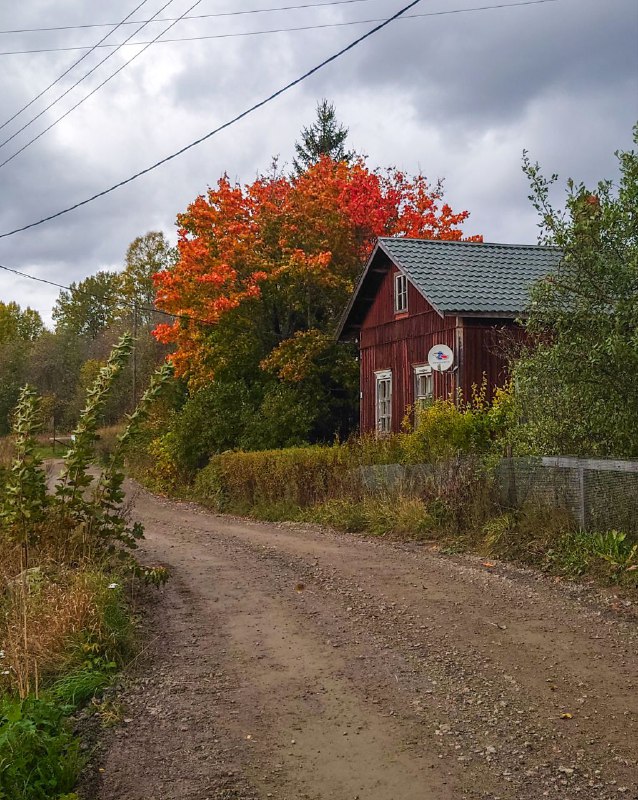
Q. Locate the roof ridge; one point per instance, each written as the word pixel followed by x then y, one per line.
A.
pixel 457 242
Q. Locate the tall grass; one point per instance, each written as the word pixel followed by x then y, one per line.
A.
pixel 48 628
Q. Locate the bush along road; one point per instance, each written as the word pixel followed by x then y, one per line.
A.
pixel 290 662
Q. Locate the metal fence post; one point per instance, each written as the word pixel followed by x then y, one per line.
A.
pixel 581 497
pixel 512 494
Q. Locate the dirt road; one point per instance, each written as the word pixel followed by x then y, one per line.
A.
pixel 293 663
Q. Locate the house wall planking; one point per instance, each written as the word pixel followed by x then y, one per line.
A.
pixel 487 348
pixel 400 342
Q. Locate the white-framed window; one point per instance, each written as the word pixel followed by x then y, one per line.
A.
pixel 400 293
pixel 383 396
pixel 423 387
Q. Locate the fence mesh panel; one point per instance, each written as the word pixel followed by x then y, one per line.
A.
pixel 601 495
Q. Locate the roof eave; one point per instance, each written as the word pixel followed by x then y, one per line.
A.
pixel 486 314
pixel 353 298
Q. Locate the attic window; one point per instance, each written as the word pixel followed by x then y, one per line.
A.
pixel 400 293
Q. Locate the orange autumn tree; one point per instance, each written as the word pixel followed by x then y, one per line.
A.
pixel 267 268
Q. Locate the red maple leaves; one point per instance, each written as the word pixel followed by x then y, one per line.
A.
pixel 305 237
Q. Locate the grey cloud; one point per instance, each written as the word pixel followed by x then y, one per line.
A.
pixel 487 67
pixel 459 96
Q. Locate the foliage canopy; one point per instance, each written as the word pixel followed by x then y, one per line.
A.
pixel 264 273
pixel 578 384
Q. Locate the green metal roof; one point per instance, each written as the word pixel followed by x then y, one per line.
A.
pixel 472 277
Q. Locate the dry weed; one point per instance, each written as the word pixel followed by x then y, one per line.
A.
pixel 42 614
pixel 7 451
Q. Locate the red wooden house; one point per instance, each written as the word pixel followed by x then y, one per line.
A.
pixel 417 293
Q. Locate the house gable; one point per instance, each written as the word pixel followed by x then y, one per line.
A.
pixel 373 297
pixel 381 311
pixel 460 294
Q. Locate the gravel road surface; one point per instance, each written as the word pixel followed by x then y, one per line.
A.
pixel 289 662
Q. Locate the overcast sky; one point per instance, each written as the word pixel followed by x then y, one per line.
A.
pixel 456 96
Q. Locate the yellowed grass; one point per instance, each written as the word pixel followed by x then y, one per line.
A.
pixel 42 615
pixel 7 451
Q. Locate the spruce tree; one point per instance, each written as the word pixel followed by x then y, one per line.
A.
pixel 325 137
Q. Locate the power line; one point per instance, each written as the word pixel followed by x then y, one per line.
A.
pixel 83 78
pixel 75 63
pixel 131 304
pixel 98 87
pixel 196 16
pixel 227 124
pixel 292 30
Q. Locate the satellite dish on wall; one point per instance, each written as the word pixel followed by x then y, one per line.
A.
pixel 440 357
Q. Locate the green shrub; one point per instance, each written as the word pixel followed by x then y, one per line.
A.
pixel 444 430
pixel 161 472
pixel 328 485
pixel 210 421
pixel 616 548
pixel 301 476
pixel 209 489
pixel 285 418
pixel 370 449
pixel 39 757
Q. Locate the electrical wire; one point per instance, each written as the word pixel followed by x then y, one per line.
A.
pixel 130 304
pixel 222 127
pixel 295 29
pixel 84 77
pixel 195 16
pixel 75 64
pixel 97 88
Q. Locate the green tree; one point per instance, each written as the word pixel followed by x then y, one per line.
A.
pixel 18 324
pixel 577 386
pixel 19 331
pixel 89 306
pixel 53 367
pixel 325 137
pixel 145 256
pixel 12 371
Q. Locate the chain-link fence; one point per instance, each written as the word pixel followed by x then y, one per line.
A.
pixel 601 494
